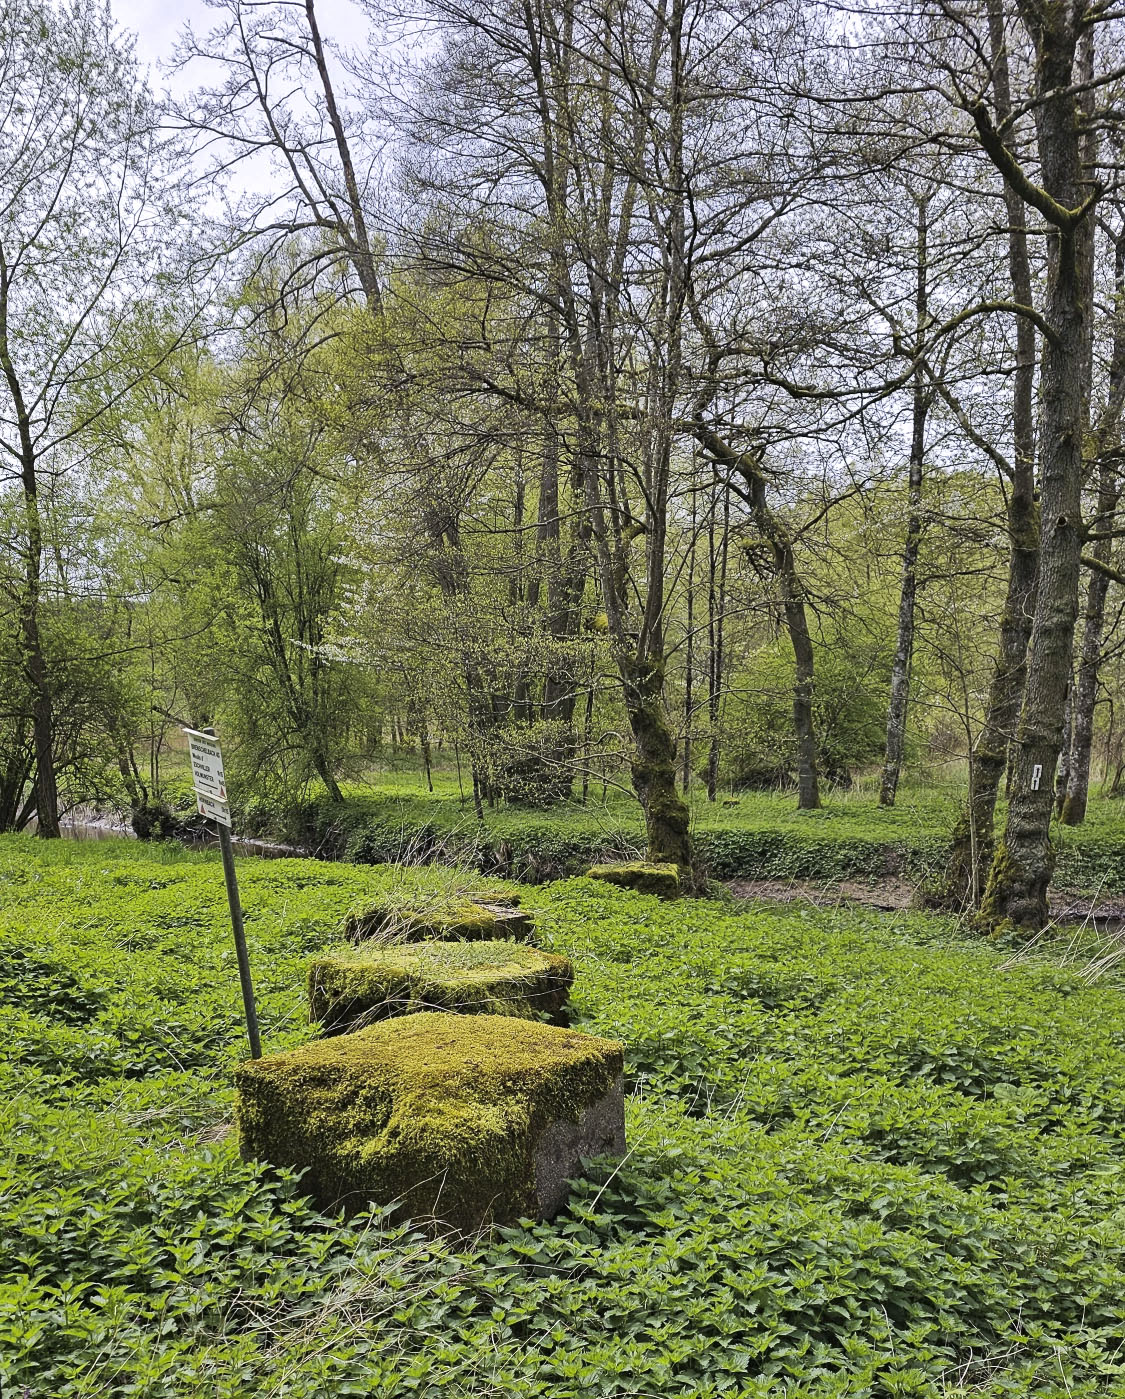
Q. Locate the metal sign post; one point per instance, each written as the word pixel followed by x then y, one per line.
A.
pixel 211 798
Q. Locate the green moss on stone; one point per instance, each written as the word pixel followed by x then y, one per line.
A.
pixel 353 987
pixel 441 1114
pixel 662 880
pixel 457 919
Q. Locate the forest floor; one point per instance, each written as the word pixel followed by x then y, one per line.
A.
pixel 867 1156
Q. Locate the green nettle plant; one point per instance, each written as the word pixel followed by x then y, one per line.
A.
pixel 867 1157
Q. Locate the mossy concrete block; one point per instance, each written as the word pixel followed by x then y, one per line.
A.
pixel 453 920
pixel 662 880
pixel 463 1119
pixel 352 987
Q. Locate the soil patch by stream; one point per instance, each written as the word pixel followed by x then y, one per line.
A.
pixel 893 895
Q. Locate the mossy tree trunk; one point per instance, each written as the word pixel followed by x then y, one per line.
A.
pixel 667 818
pixel 1024 861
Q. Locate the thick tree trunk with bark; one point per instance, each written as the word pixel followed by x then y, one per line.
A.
pixel 973 842
pixel 1107 445
pixel 667 819
pixel 1024 861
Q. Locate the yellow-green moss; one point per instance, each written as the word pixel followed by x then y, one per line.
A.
pixel 352 987
pixel 438 1113
pixel 455 919
pixel 662 880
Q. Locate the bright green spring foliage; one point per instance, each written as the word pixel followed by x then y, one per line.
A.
pixel 661 880
pixel 354 986
pixel 442 1112
pixel 867 1160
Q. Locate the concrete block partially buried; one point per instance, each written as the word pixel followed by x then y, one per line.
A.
pixel 353 987
pixel 458 919
pixel 463 1120
pixel 661 880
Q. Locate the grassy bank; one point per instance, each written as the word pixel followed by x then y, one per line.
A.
pixel 756 836
pixel 867 1159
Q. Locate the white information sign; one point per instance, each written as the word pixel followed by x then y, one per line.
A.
pixel 211 799
pixel 217 811
pixel 1036 775
pixel 207 766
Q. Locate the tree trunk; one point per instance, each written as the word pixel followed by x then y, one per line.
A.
pixel 904 644
pixel 748 467
pixel 30 599
pixel 1024 861
pixel 327 776
pixel 716 614
pixel 427 753
pixel 1073 811
pixel 587 735
pixel 797 624
pixel 689 659
pixel 667 819
pixel 1062 776
pixel 42 720
pixel 973 842
pixel 355 238
pixel 35 662
pixel 1109 497
pixel 15 774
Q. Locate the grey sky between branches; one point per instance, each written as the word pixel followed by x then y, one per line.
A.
pixel 157 25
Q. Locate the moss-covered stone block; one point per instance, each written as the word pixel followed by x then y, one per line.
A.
pixel 352 987
pixel 463 1119
pixel 458 919
pixel 661 880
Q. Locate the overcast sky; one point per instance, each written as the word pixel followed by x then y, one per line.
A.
pixel 156 24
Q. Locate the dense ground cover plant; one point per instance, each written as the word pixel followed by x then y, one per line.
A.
pixel 866 1159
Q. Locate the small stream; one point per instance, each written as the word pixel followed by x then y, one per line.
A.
pixel 112 830
pixel 1108 917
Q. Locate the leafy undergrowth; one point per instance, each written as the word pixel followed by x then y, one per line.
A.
pixel 759 835
pixel 866 1159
